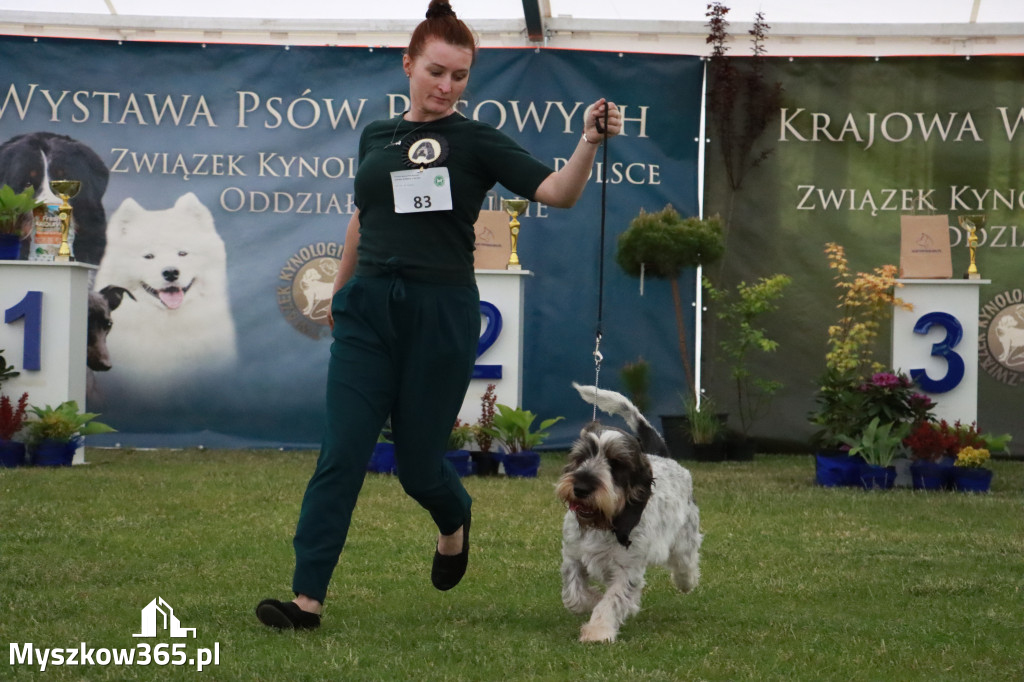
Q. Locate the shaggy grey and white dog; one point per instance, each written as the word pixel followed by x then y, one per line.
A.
pixel 630 507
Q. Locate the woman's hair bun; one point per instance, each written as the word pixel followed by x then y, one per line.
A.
pixel 439 9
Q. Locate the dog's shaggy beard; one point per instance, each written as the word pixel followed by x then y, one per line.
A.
pixel 607 481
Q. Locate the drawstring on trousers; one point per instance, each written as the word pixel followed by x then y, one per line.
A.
pixel 396 289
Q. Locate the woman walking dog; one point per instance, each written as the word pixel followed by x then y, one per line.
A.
pixel 406 310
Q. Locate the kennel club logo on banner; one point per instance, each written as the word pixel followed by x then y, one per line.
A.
pixel 307 283
pixel 1001 341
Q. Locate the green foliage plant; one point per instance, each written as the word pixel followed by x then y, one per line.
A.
pixel 661 245
pixel 511 428
pixel 7 372
pixel 14 206
pixel 62 422
pixel 460 435
pixel 703 422
pixel 745 337
pixel 879 443
pixel 636 377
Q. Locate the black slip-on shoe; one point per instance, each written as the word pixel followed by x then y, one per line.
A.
pixel 286 615
pixel 448 570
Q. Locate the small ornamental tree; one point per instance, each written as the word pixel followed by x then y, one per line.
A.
pixel 661 245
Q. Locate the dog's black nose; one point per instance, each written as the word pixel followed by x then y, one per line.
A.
pixel 582 489
pixel 171 274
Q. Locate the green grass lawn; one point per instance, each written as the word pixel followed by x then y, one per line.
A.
pixel 799 582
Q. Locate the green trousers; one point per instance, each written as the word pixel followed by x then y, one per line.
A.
pixel 402 348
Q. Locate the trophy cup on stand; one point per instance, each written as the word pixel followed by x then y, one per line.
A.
pixel 65 189
pixel 971 223
pixel 514 207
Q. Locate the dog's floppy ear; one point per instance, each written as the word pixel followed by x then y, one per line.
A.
pixel 113 294
pixel 638 492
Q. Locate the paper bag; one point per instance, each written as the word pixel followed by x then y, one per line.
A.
pixel 493 241
pixel 924 247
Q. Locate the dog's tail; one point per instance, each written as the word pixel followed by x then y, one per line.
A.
pixel 617 404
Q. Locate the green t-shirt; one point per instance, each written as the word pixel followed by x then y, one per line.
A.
pixel 435 244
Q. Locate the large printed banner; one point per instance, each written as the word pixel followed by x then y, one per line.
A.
pixel 855 144
pixel 216 187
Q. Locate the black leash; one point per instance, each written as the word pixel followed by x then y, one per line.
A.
pixel 601 128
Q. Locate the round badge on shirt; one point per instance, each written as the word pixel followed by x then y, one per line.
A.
pixel 425 150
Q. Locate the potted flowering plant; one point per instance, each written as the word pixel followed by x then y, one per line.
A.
pixel 933 447
pixel 14 207
pixel 878 445
pixel 844 408
pixel 935 451
pixel 457 454
pixel 12 418
pixel 56 432
pixel 512 428
pixel 483 461
pixel 970 474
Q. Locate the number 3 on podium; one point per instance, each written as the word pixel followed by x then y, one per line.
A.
pixel 943 349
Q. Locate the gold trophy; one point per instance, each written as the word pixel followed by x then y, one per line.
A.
pixel 514 207
pixel 971 223
pixel 65 189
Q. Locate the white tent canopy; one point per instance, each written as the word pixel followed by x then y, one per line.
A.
pixel 872 27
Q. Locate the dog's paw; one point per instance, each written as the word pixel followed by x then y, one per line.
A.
pixel 597 632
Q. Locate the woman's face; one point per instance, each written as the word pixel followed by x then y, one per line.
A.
pixel 437 78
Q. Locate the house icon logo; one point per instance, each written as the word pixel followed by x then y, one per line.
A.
pixel 159 613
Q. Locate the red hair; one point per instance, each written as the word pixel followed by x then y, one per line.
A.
pixel 441 24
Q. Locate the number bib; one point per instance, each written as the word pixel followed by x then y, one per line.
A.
pixel 419 191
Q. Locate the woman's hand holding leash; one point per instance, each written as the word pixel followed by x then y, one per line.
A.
pixel 594 128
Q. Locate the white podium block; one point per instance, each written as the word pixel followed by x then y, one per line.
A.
pixel 937 343
pixel 44 331
pixel 500 353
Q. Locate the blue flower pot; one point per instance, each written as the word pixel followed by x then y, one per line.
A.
pixel 874 477
pixel 484 463
pixel 460 460
pixel 382 461
pixel 523 464
pixel 932 475
pixel 837 469
pixel 10 246
pixel 12 454
pixel 54 453
pixel 971 480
